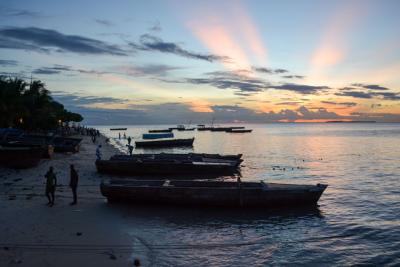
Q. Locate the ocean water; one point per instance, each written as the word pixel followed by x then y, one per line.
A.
pixel 357 221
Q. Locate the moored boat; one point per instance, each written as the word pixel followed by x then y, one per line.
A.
pixel 118 129
pixel 212 193
pixel 160 131
pixel 157 135
pixel 20 157
pixel 166 167
pixel 165 143
pixel 187 156
pixel 239 130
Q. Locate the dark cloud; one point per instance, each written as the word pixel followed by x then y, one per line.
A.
pixel 57 69
pixel 347 104
pixel 370 86
pixel 159 70
pixel 79 101
pixel 46 71
pixel 104 22
pixel 269 70
pixel 156 27
pixel 8 62
pixel 300 88
pixel 46 40
pixel 151 43
pixel 371 94
pixel 289 103
pixel 355 94
pixel 293 76
pixel 19 13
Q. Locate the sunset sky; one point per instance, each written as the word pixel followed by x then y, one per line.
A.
pixel 122 62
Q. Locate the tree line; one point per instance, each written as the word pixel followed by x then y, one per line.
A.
pixel 29 106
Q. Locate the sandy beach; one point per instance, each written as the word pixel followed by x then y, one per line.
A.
pixel 33 234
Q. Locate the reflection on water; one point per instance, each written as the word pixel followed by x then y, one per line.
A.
pixel 357 221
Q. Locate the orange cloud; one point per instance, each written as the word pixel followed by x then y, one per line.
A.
pixel 201 106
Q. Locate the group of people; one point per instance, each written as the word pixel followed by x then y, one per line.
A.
pixel 51 184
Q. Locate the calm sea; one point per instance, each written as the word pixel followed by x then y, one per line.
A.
pixel 357 221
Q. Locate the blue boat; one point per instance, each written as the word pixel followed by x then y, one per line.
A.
pixel 157 135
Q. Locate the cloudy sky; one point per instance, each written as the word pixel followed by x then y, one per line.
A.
pixel 175 61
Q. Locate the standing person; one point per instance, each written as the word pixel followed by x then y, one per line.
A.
pixel 124 136
pixel 130 149
pixel 98 152
pixel 119 135
pixel 73 183
pixel 129 140
pixel 51 183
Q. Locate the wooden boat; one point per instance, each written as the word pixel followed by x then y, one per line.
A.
pixel 239 130
pixel 157 135
pixel 19 157
pixel 166 167
pixel 212 193
pixel 165 143
pixel 187 156
pixel 66 144
pixel 225 129
pixel 118 129
pixel 47 150
pixel 161 131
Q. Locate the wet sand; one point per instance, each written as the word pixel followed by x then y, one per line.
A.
pixel 33 234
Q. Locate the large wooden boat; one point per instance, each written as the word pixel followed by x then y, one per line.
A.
pixel 165 143
pixel 20 157
pixel 185 156
pixel 212 193
pixel 118 129
pixel 157 135
pixel 144 166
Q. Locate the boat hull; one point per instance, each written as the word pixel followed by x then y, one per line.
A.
pixel 20 157
pixel 168 168
pixel 216 194
pixel 165 143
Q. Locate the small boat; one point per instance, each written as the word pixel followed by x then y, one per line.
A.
pixel 20 157
pixel 226 129
pixel 143 166
pixel 204 128
pixel 212 193
pixel 182 127
pixel 161 131
pixel 165 143
pixel 239 130
pixel 118 129
pixel 157 135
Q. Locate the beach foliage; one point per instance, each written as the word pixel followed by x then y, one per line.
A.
pixel 30 106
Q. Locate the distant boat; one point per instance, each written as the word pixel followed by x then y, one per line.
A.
pixel 239 130
pixel 157 135
pixel 118 129
pixel 165 143
pixel 212 193
pixel 161 131
pixel 20 157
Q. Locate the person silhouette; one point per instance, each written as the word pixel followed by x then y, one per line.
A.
pixel 73 183
pixel 51 183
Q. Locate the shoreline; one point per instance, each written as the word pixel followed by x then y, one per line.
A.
pixel 33 234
